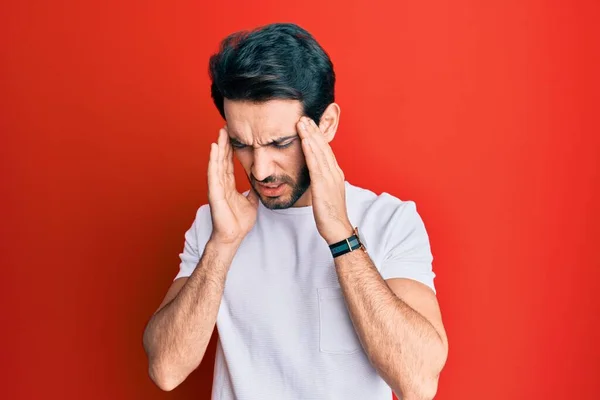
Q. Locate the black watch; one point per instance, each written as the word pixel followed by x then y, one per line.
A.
pixel 347 245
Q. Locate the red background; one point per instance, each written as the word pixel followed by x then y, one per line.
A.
pixel 484 113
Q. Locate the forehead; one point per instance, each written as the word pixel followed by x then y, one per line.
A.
pixel 262 120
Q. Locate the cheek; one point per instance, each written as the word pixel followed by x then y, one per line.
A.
pixel 299 156
pixel 245 159
pixel 293 160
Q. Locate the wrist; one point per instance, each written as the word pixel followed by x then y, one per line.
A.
pixel 342 233
pixel 225 251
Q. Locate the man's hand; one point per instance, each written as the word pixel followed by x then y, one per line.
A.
pixel 327 184
pixel 233 215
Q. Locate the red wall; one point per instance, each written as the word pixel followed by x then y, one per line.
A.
pixel 485 114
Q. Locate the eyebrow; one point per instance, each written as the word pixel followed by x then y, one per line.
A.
pixel 273 141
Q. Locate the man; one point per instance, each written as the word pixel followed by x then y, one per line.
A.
pixel 319 289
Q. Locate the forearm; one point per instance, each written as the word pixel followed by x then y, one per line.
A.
pixel 177 335
pixel 401 344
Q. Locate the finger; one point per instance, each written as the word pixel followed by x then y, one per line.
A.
pixel 229 159
pixel 228 155
pixel 212 160
pixel 339 169
pixel 213 181
pixel 328 150
pixel 320 146
pixel 221 154
pixel 314 125
pixel 311 147
pixel 333 160
pixel 227 176
pixel 314 167
pixel 302 129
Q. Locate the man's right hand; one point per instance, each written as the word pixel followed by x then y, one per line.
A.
pixel 177 335
pixel 233 214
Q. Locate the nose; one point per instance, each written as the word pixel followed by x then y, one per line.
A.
pixel 262 165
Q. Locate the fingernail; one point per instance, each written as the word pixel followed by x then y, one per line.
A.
pixel 302 125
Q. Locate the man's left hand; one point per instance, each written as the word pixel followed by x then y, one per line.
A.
pixel 327 184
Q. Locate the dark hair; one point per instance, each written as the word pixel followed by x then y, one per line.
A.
pixel 276 61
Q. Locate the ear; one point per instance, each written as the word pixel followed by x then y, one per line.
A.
pixel 329 121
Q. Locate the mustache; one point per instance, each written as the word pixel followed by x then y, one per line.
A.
pixel 272 179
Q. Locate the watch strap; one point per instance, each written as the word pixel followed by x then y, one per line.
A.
pixel 347 245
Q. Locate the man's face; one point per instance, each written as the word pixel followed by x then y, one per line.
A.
pixel 266 142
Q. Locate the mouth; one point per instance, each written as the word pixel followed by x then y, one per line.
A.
pixel 270 189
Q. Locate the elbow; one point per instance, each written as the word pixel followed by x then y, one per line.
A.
pixel 424 387
pixel 168 375
pixel 429 389
pixel 168 372
pixel 163 377
pixel 165 373
pixel 424 391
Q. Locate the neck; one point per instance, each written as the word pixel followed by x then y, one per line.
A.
pixel 305 200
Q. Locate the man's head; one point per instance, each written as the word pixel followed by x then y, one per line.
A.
pixel 263 81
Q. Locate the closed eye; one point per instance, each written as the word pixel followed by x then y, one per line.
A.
pixel 283 145
pixel 237 145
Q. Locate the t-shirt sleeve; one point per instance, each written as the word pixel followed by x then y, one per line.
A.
pixel 407 251
pixel 196 238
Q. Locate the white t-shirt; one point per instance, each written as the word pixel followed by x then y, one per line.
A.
pixel 284 329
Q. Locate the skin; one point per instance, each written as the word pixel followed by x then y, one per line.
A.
pixel 266 142
pixel 398 321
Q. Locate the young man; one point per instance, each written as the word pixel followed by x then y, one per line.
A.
pixel 319 289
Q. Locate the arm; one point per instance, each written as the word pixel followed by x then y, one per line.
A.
pixel 399 324
pixel 177 335
pixel 393 305
pixel 398 321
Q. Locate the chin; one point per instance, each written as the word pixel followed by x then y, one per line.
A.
pixel 277 203
pixel 292 193
pixel 288 199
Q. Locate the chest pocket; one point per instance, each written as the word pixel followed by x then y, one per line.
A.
pixel 336 332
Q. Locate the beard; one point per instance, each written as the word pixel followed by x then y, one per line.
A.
pixel 298 186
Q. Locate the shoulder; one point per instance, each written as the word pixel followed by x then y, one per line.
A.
pixel 385 220
pixel 394 234
pixel 381 207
